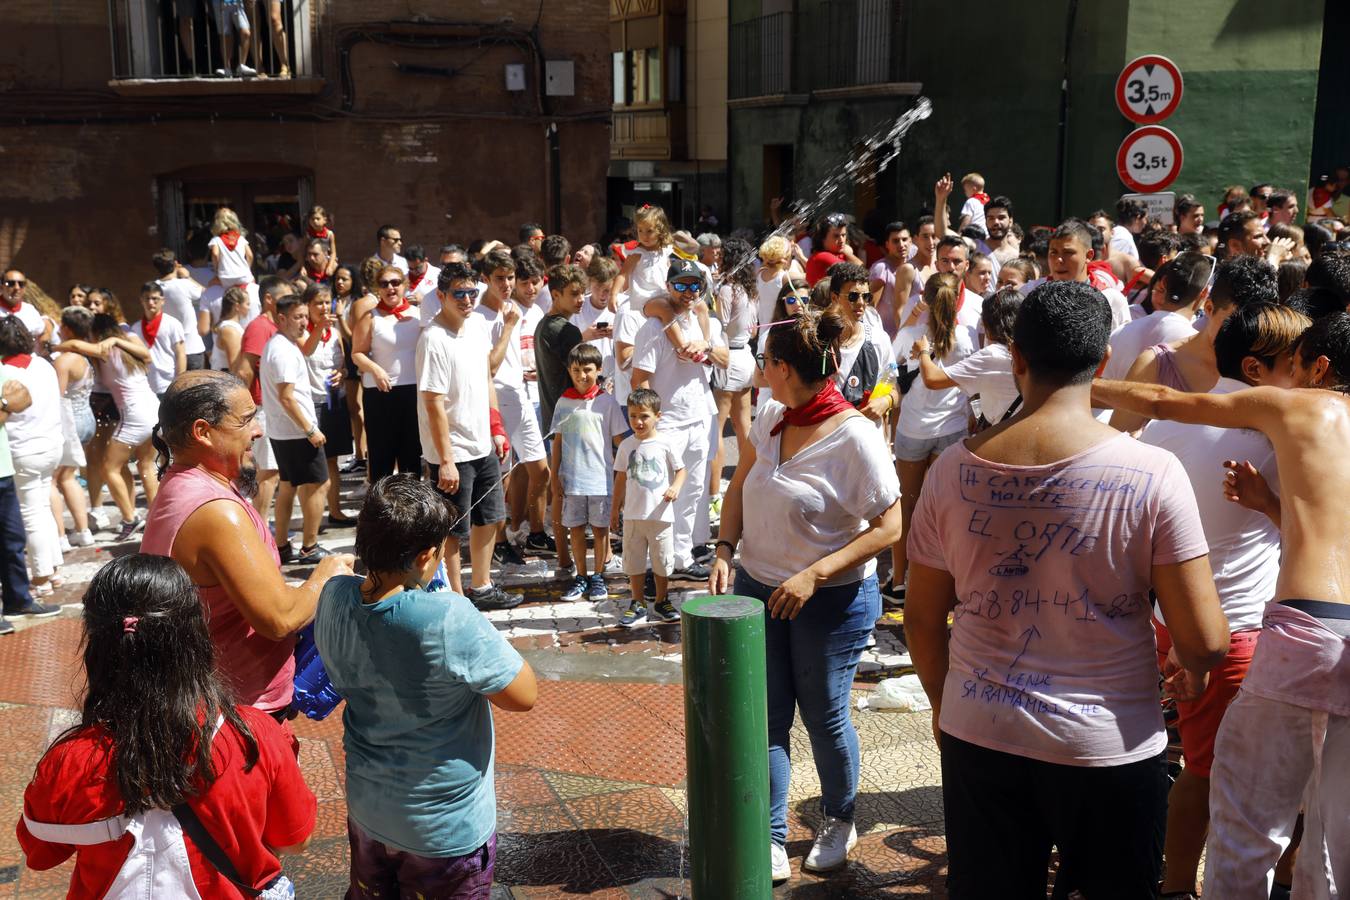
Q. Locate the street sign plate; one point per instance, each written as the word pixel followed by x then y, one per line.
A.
pixel 1161 206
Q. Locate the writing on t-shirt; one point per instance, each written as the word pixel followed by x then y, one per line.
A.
pixel 1074 487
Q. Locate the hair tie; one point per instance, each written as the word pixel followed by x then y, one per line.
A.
pixel 129 624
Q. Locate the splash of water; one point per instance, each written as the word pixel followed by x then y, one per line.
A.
pixel 879 149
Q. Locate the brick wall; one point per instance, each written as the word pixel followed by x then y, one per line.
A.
pixel 81 167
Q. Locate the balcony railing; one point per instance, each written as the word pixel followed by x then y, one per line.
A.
pixel 761 56
pixel 150 42
pixel 835 44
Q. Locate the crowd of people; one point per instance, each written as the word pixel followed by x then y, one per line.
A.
pixel 1087 460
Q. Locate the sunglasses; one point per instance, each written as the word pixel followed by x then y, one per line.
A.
pixel 794 299
pixel 761 359
pixel 685 287
pixel 855 296
pixel 391 282
pixel 464 293
pixel 10 282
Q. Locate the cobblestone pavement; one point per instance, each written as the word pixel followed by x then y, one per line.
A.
pixel 583 810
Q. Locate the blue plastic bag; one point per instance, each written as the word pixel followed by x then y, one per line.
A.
pixel 314 693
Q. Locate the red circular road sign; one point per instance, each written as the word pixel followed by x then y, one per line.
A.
pixel 1148 89
pixel 1149 159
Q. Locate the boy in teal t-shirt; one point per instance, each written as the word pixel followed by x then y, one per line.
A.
pixel 418 671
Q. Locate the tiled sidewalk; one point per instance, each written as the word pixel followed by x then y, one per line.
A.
pixel 590 784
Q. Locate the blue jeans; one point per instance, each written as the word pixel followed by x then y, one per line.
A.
pixel 13 549
pixel 811 663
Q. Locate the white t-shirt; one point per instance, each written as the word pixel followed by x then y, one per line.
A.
pixel 587 429
pixel 767 291
pixel 738 314
pixel 398 262
pixel 686 396
pixel 509 377
pixel 327 357
pixel 1127 342
pixel 625 332
pixel 587 316
pixel 232 265
pixel 393 346
pixel 36 430
pixel 649 467
pixel 812 505
pixel 1244 546
pixel 28 314
pixel 926 413
pixel 181 299
pixel 1120 308
pixel 987 372
pixel 975 209
pixel 426 285
pixel 218 360
pixel 283 362
pixel 454 365
pixel 1122 241
pixel 163 358
pixel 525 328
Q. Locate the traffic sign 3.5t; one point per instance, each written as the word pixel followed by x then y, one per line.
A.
pixel 1149 159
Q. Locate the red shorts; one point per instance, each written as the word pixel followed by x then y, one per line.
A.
pixel 1198 721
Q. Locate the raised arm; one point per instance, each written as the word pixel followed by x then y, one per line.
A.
pixel 1259 407
pixel 941 219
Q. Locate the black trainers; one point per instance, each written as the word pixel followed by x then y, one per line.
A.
pixel 664 611
pixel 493 597
pixel 633 614
pixel 310 556
pixel 649 587
pixel 703 553
pixel 540 542
pixel 506 554
pixel 354 465
pixel 36 610
pixel 287 553
pixel 694 572
pixel 892 594
pixel 129 528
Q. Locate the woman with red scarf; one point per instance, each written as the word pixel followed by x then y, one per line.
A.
pixel 826 502
pixel 385 329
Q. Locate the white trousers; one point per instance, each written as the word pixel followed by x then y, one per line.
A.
pixel 690 445
pixel 1270 760
pixel 33 483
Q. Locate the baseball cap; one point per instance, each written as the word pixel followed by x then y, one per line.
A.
pixel 683 268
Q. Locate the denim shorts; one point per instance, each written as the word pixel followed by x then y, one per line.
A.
pixel 909 449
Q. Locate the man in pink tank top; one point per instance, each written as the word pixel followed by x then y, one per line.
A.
pixel 205 522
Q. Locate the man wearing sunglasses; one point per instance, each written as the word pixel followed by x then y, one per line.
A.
pixel 687 404
pixel 12 304
pixel 390 242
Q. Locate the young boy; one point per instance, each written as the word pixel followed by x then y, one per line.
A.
pixel 599 311
pixel 972 213
pixel 587 423
pixel 165 337
pixel 657 477
pixel 554 338
pixel 418 670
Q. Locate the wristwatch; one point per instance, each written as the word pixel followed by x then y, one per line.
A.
pixel 4 403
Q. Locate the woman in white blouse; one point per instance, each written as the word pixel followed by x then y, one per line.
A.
pixel 826 501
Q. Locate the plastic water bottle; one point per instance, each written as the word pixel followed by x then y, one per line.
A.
pixel 888 381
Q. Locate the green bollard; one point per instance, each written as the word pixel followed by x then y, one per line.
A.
pixel 726 728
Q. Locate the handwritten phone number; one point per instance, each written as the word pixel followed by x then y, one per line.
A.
pixel 993 604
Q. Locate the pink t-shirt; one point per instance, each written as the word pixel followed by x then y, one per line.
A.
pixel 260 670
pixel 1052 654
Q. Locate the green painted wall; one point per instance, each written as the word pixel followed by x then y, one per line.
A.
pixel 1250 70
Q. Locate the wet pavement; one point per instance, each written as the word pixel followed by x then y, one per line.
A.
pixel 590 784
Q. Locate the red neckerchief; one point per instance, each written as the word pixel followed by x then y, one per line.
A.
pixel 4 301
pixel 982 197
pixel 573 394
pixel 397 311
pixel 1134 280
pixel 150 328
pixel 320 277
pixel 322 234
pixel 824 404
pixel 961 298
pixel 18 360
pixel 1100 275
pixel 327 331
pixel 229 239
pixel 414 282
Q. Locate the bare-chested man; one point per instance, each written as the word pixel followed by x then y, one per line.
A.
pixel 1285 740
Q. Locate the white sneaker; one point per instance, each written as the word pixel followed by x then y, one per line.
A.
pixel 98 520
pixel 82 538
pixel 833 842
pixel 245 71
pixel 65 544
pixel 779 868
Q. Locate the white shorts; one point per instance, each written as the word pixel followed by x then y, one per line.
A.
pixel 648 539
pixel 739 370
pixel 263 458
pixel 139 418
pixel 521 426
pixel 581 510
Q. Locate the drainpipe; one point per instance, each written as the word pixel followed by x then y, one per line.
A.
pixel 1061 163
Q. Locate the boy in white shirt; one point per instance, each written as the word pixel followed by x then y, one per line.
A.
pixel 972 213
pixel 164 336
pixel 293 430
pixel 598 312
pixel 587 423
pixel 657 476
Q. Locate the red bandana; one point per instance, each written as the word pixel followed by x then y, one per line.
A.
pixel 396 311
pixel 319 277
pixel 4 301
pixel 229 239
pixel 18 360
pixel 573 394
pixel 824 404
pixel 982 197
pixel 415 280
pixel 1134 280
pixel 150 328
pixel 327 332
pixel 322 234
